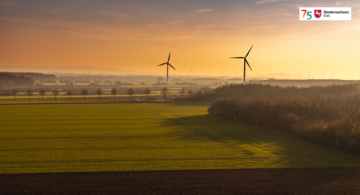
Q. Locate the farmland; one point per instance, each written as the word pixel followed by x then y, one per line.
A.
pixel 75 92
pixel 104 137
pixel 63 97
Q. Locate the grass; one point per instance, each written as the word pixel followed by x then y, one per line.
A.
pixel 145 136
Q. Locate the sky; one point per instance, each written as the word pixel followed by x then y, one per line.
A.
pixel 202 35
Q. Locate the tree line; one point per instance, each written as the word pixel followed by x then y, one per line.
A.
pixel 335 92
pixel 85 92
pixel 9 80
pixel 323 115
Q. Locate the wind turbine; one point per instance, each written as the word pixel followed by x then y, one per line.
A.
pixel 167 65
pixel 245 62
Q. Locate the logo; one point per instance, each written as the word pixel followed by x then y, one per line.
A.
pixel 317 13
pixel 307 13
pixel 324 13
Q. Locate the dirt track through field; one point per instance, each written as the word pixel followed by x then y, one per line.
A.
pixel 242 181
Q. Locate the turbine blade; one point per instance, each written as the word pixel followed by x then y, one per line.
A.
pixel 172 66
pixel 169 57
pixel 248 64
pixel 248 51
pixel 162 64
pixel 238 57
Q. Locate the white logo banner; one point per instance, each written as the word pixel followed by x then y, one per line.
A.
pixel 325 13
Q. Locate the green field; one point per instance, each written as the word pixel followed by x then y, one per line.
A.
pixel 40 138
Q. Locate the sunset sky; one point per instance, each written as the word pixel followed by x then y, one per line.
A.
pixel 201 34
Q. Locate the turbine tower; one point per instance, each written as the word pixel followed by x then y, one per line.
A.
pixel 167 66
pixel 245 62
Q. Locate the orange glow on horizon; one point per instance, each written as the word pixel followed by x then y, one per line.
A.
pixel 205 46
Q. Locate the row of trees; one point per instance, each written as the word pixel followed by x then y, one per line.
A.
pixel 324 115
pixel 188 90
pixel 334 92
pixel 129 91
pixel 43 92
pixel 85 92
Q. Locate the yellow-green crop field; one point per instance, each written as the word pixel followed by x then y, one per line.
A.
pixel 92 137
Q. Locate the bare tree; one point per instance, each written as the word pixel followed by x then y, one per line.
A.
pixel 182 91
pixel 113 92
pixel 14 92
pixel 99 92
pixel 164 91
pixel 69 93
pixel 190 91
pixel 56 93
pixel 29 92
pixel 147 92
pixel 130 91
pixel 205 90
pixel 42 92
pixel 84 92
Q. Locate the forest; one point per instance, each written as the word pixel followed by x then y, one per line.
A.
pixel 323 115
pixel 9 80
